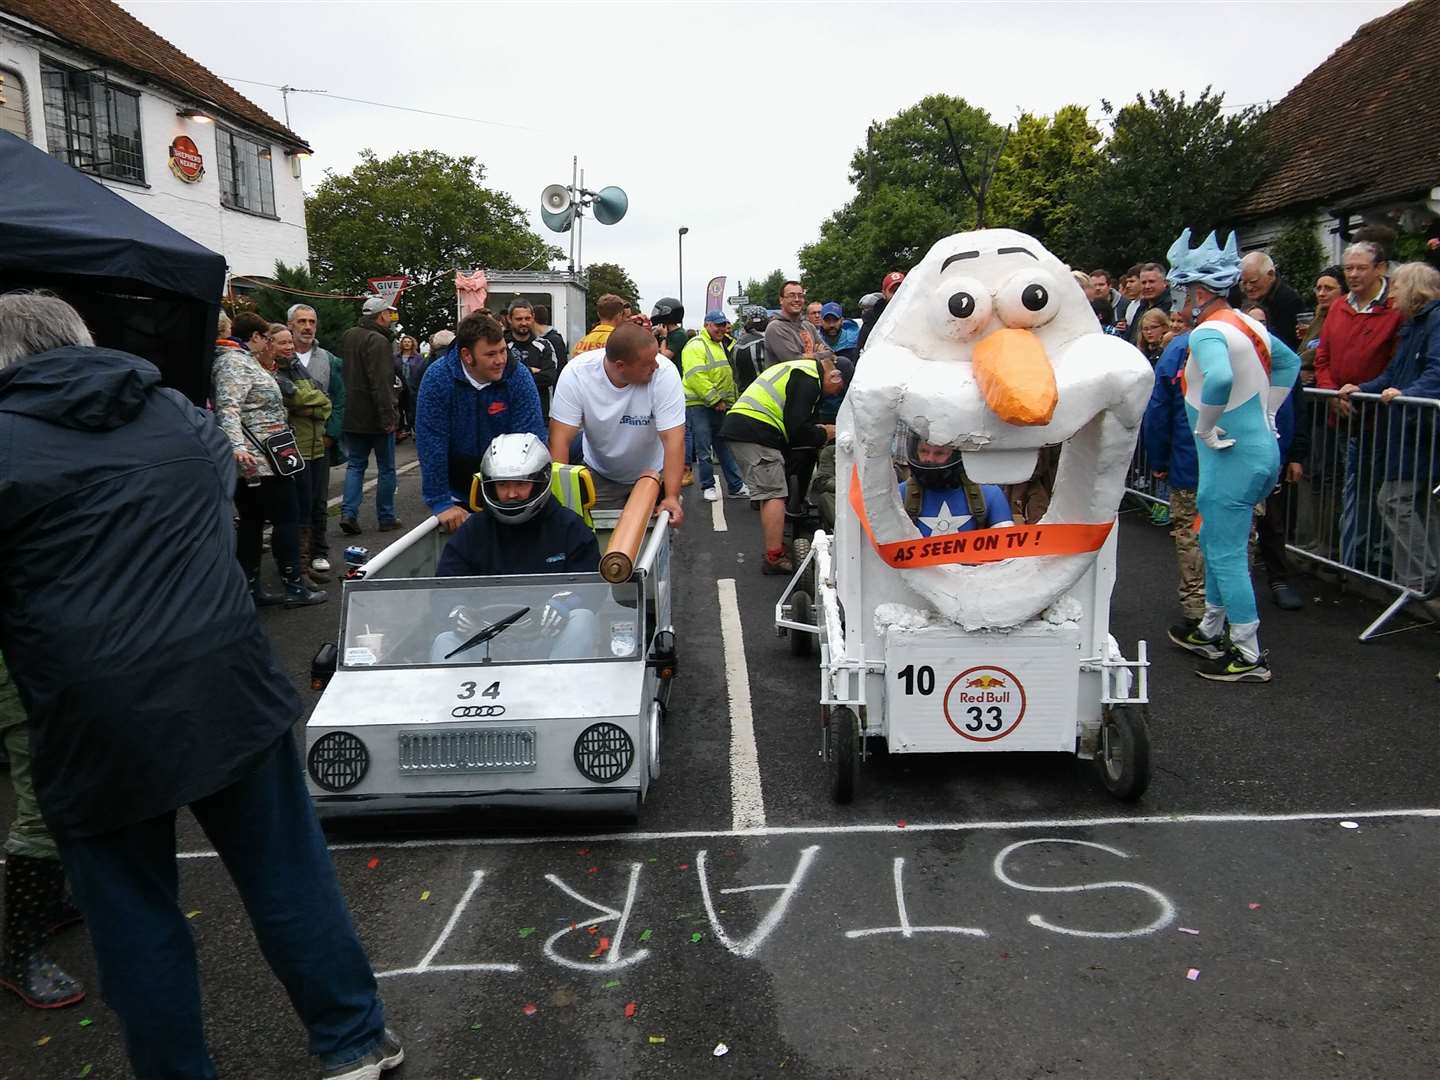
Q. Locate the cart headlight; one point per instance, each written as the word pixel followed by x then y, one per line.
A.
pixel 338 761
pixel 604 752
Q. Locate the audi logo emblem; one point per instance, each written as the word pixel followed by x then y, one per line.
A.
pixel 463 711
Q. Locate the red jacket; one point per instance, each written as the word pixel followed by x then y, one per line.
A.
pixel 1355 347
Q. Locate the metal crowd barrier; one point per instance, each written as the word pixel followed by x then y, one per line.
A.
pixel 1366 507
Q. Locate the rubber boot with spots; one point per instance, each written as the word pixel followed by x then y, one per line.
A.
pixel 33 887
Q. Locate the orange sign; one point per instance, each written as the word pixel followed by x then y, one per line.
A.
pixel 185 160
pixel 979 545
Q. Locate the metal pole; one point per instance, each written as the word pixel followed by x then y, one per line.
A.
pixel 680 244
pixel 574 183
pixel 580 225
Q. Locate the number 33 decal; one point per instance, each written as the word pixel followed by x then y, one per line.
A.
pixel 467 691
pixel 977 723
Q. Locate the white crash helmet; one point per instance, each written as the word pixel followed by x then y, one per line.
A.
pixel 519 456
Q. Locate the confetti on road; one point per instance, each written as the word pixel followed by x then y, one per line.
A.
pixel 601 948
pixel 425 896
pixel 529 1009
pixel 526 931
pixel 1186 930
pixel 84 1072
pixel 192 914
pixel 647 935
pixel 86 1022
pixel 42 1040
pixel 1193 974
pixel 593 870
pixel 695 938
pixel 684 866
pixel 477 1027
pixel 374 862
pixel 901 824
pixel 592 929
pixel 720 1050
pixel 1349 825
pixel 611 984
pixel 655 1039
pixel 1254 906
pixel 629 1009
pixel 584 851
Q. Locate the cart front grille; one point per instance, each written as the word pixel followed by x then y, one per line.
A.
pixel 473 750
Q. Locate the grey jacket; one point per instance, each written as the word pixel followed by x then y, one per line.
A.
pixel 790 339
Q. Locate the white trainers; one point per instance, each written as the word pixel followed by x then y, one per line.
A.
pixel 712 494
pixel 743 493
pixel 321 564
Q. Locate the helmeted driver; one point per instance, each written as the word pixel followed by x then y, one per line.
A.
pixel 939 497
pixel 523 530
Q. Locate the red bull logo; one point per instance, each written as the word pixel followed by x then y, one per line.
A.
pixel 986 682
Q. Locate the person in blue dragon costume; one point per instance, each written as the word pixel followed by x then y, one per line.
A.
pixel 1235 380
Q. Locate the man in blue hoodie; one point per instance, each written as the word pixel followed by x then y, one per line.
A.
pixel 471 394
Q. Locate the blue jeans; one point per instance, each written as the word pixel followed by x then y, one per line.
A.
pixel 357 451
pixel 1363 543
pixel 265 830
pixel 702 426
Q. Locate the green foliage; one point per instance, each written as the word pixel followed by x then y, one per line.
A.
pixel 909 194
pixel 334 316
pixel 605 278
pixel 1298 254
pixel 1046 162
pixel 1168 163
pixel 424 214
pixel 765 291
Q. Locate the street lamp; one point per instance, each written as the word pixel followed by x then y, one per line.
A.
pixel 680 243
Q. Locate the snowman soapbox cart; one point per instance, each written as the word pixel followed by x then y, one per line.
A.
pixel 998 639
pixel 544 690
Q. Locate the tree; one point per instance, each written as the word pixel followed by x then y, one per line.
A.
pixel 1168 163
pixel 334 315
pixel 1298 254
pixel 423 214
pixel 1046 161
pixel 605 278
pixel 910 192
pixel 765 291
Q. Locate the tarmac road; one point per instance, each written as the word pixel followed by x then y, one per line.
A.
pixel 974 917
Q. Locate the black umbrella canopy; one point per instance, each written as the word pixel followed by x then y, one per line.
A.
pixel 142 286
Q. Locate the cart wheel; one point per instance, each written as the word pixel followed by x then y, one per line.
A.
pixel 1124 757
pixel 801 610
pixel 844 742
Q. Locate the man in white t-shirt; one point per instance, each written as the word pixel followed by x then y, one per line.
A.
pixel 631 410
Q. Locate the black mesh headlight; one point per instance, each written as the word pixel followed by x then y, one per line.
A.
pixel 604 752
pixel 338 761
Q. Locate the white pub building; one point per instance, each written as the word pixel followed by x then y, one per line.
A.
pixel 91 85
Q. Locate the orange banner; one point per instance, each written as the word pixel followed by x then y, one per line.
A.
pixel 979 545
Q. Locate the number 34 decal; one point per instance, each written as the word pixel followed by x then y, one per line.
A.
pixel 467 691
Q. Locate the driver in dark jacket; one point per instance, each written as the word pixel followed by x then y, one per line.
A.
pixel 523 530
pixel 149 685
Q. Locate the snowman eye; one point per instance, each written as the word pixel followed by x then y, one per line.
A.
pixel 961 307
pixel 1028 299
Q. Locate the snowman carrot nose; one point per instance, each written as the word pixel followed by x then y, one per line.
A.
pixel 1016 377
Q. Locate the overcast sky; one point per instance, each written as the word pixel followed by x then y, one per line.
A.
pixel 649 95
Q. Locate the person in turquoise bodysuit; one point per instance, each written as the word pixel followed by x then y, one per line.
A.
pixel 1236 378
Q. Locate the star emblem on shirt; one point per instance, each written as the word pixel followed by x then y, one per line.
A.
pixel 944 520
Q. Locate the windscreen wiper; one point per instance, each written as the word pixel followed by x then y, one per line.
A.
pixel 491 631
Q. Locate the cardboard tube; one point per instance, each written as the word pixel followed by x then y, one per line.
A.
pixel 618 562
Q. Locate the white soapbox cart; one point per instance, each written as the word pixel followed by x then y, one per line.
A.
pixel 537 690
pixel 891 669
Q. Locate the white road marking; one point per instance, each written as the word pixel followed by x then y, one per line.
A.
pixel 370 484
pixel 613 958
pixel 717 510
pixel 907 929
pixel 747 800
pixel 1167 909
pixel 746 946
pixel 878 829
pixel 426 964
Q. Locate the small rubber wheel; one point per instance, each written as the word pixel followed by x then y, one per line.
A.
pixel 802 643
pixel 1124 754
pixel 844 741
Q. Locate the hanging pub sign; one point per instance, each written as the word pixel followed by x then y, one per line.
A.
pixel 185 160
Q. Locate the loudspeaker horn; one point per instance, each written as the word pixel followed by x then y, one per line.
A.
pixel 610 205
pixel 558 222
pixel 556 199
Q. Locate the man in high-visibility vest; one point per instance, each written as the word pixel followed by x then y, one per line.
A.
pixel 709 392
pixel 777 412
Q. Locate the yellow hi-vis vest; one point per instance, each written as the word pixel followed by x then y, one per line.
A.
pixel 571 485
pixel 764 399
